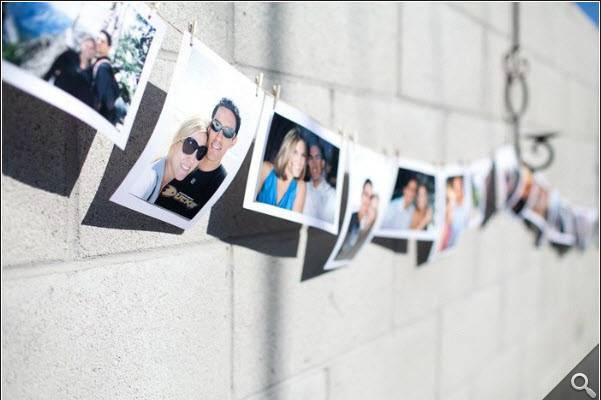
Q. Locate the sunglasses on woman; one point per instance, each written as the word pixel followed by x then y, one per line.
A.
pixel 217 126
pixel 190 146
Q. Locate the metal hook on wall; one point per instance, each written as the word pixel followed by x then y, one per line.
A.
pixel 516 68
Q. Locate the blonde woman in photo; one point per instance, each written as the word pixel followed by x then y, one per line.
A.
pixel 281 183
pixel 187 148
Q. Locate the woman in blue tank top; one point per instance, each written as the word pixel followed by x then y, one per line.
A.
pixel 281 183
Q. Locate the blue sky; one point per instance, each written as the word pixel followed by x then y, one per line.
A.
pixel 591 9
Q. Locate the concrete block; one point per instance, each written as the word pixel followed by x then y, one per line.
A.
pixel 436 41
pixel 108 228
pixel 523 303
pixel 425 289
pixel 583 112
pixel 359 50
pixel 496 47
pixel 313 99
pixel 493 16
pixel 468 138
pixel 36 225
pixel 402 364
pixel 548 94
pixel 464 393
pixel 574 171
pixel 470 335
pixel 155 326
pixel 499 378
pixel 421 52
pixel 40 168
pixel 497 259
pixel 384 123
pixel 283 327
pixel 312 385
pixel 215 23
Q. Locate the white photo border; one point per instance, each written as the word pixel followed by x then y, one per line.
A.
pixel 262 136
pixel 385 195
pixel 426 169
pixel 445 173
pixel 57 97
pixel 122 195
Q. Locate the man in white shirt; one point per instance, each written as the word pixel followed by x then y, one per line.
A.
pixel 320 201
pixel 400 211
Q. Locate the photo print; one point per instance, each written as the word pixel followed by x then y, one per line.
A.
pixel 522 194
pixel 482 183
pixel 412 212
pixel 295 171
pixel 508 177
pixel 457 207
pixel 585 226
pixel 90 59
pixel 371 181
pixel 536 210
pixel 205 129
pixel 560 222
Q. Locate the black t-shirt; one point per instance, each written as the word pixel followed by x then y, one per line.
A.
pixel 188 196
pixel 69 76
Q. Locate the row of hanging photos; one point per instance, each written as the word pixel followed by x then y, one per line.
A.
pixel 213 114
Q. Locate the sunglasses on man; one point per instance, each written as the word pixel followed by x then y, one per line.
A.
pixel 190 146
pixel 217 126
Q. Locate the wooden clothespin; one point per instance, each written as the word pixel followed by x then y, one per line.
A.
pixel 192 30
pixel 276 90
pixel 259 82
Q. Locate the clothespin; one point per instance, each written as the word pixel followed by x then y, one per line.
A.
pixel 258 82
pixel 276 94
pixel 192 30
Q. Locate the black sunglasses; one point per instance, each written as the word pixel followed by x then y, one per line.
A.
pixel 190 146
pixel 218 127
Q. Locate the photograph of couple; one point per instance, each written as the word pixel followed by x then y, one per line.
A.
pixel 371 179
pixel 536 211
pixel 199 142
pixel 94 52
pixel 456 214
pixel 297 174
pixel 190 173
pixel 508 177
pixel 411 212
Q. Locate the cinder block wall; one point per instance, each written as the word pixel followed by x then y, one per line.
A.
pixel 99 302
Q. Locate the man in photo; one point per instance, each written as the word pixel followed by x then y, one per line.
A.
pixel 104 86
pixel 320 200
pixel 188 196
pixel 71 71
pixel 361 223
pixel 400 211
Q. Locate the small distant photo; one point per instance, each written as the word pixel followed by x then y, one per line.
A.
pixel 456 214
pixel 561 228
pixel 412 208
pixel 536 210
pixel 95 54
pixel 523 193
pixel 508 177
pixel 371 180
pixel 482 183
pixel 295 173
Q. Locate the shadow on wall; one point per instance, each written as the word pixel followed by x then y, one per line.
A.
pixel 43 146
pixel 232 223
pixel 102 212
pixel 320 244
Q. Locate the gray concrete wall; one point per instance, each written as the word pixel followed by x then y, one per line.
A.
pixel 100 302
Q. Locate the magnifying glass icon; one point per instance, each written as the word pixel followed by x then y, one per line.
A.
pixel 584 386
